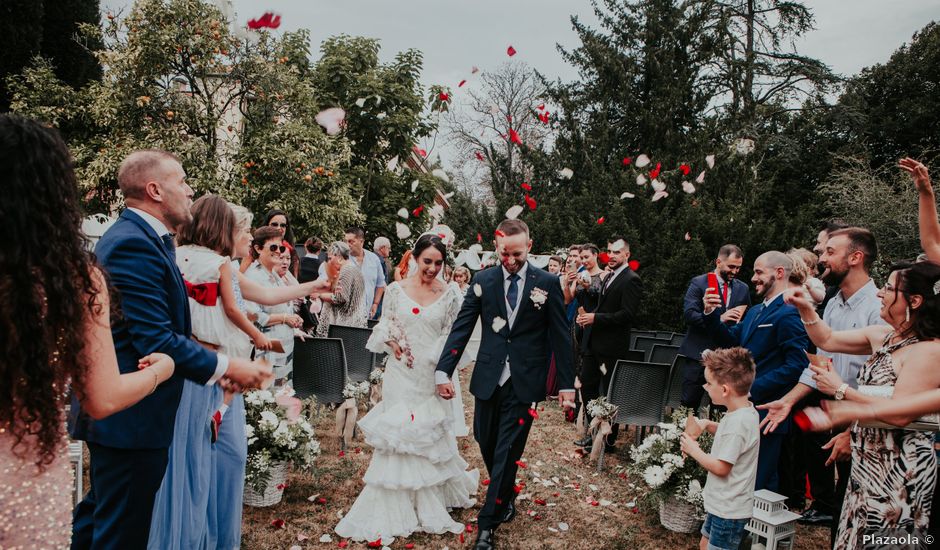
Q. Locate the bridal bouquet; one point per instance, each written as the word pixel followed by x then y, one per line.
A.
pixel 668 474
pixel 277 434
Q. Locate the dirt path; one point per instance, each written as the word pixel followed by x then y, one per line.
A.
pixel 583 508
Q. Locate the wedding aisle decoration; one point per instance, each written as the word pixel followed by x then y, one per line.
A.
pixel 348 411
pixel 674 481
pixel 375 393
pixel 602 414
pixel 278 437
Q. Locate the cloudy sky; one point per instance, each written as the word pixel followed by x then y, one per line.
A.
pixel 457 35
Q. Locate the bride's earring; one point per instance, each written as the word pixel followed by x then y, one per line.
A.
pixel 907 314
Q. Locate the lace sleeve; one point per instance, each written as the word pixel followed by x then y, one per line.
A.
pixel 452 308
pixel 384 330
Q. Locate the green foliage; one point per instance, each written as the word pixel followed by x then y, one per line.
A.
pixel 21 28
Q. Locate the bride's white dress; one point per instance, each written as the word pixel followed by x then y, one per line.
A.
pixel 416 473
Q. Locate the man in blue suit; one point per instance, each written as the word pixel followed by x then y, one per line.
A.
pixel 523 318
pixel 735 299
pixel 773 333
pixel 129 449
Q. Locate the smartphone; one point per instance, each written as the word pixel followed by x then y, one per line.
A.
pixel 712 282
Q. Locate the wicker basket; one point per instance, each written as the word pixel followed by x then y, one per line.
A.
pixel 273 491
pixel 679 516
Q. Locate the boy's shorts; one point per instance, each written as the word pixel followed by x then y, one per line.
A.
pixel 723 534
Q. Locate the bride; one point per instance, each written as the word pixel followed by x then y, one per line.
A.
pixel 416 473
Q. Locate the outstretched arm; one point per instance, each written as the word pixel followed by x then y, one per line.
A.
pixel 927 209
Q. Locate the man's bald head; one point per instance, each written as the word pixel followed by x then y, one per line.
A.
pixel 774 259
pixel 142 167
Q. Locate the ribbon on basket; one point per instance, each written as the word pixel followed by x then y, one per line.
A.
pixel 600 429
pixel 346 415
pixel 375 394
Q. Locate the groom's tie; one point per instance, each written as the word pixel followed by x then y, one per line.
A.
pixel 513 293
pixel 170 246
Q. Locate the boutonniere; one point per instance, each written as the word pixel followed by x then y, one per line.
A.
pixel 538 297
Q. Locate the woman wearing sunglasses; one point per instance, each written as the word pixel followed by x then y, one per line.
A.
pixel 278 220
pixel 277 321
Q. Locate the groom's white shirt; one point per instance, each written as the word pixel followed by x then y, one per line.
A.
pixel 440 377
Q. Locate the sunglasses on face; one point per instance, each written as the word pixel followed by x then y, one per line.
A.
pixel 284 225
pixel 277 248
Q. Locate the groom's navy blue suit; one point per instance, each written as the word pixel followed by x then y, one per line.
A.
pixel 129 448
pixel 538 330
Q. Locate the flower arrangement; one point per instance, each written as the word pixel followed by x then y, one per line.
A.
pixel 355 390
pixel 276 434
pixel 601 408
pixel 375 376
pixel 659 462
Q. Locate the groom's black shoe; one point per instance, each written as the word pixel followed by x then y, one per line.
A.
pixel 485 540
pixel 586 442
pixel 510 512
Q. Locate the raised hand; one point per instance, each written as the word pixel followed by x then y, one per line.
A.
pixel 777 412
pixel 918 173
pixel 711 301
pixel 827 380
pixel 797 298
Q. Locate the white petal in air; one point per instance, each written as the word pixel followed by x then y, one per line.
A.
pixel 437 211
pixel 641 180
pixel 566 173
pixel 688 187
pixel 448 195
pixel 361 102
pixel 403 213
pixel 414 185
pixel 326 538
pixel 603 369
pixel 381 115
pixel 701 178
pixel 514 212
pixel 392 164
pixel 659 195
pixel 688 236
pixel 440 174
pixel 476 248
pixel 331 119
pixel 642 161
pixel 402 230
pixel 658 186
pixel 710 161
pixel 478 290
pixel 627 196
pixel 498 324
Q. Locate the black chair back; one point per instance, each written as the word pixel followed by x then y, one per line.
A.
pixel 665 335
pixel 677 339
pixel 320 369
pixel 662 353
pixel 646 343
pixel 634 334
pixel 359 360
pixel 638 390
pixel 674 392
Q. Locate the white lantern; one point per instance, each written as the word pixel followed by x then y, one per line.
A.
pixel 771 523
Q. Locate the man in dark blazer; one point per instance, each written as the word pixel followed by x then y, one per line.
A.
pixel 775 336
pixel 607 328
pixel 129 449
pixel 523 318
pixel 735 299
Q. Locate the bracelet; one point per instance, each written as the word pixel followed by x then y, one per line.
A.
pixel 810 323
pixel 155 382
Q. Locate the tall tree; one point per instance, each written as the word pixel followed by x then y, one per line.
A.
pixel 21 28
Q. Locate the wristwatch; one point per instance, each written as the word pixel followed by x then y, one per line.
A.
pixel 840 393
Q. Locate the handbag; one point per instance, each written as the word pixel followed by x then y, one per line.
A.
pixel 926 423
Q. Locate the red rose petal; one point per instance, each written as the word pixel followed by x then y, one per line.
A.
pixel 281 486
pixel 343 544
pixel 604 257
pixel 627 161
pixel 479 155
pixel 499 501
pixel 357 450
pixel 469 528
pixel 479 238
pixel 526 186
pixel 417 211
pixel 595 503
pixel 540 501
pixel 521 421
pixel 634 264
pixel 499 233
pixel 537 517
pixel 462 82
pixel 510 51
pixel 443 96
pixel 635 509
pixel 534 414
pixel 412 417
pixel 277 523
pixel 684 168
pixel 375 544
pixel 516 489
pixel 461 538
pixel 541 107
pixel 654 173
pixel 421 152
pixel 320 500
pixel 530 202
pixel 410 545
pixel 521 464
pixel 415 311
pixel 453 351
pixel 514 137
pixel 342 454
pixel 485 482
pixel 600 221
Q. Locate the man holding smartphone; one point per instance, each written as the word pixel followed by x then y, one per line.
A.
pixel 735 297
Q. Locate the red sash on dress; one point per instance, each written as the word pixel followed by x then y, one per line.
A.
pixel 206 294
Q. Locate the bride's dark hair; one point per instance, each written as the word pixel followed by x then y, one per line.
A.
pixel 428 241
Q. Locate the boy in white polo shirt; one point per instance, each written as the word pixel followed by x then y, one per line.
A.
pixel 732 463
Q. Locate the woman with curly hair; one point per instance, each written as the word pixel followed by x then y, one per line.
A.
pixel 55 318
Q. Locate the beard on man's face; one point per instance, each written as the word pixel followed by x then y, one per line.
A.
pixel 833 275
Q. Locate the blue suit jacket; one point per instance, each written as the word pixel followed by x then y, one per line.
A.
pixel 776 339
pixel 697 337
pixel 535 334
pixel 155 311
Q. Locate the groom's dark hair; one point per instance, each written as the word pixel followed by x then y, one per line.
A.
pixel 512 227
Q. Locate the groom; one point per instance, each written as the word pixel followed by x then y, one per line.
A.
pixel 523 319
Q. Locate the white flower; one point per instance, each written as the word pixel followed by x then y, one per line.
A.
pixel 654 476
pixel 268 420
pixel 249 431
pixel 695 488
pixel 538 297
pixel 498 323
